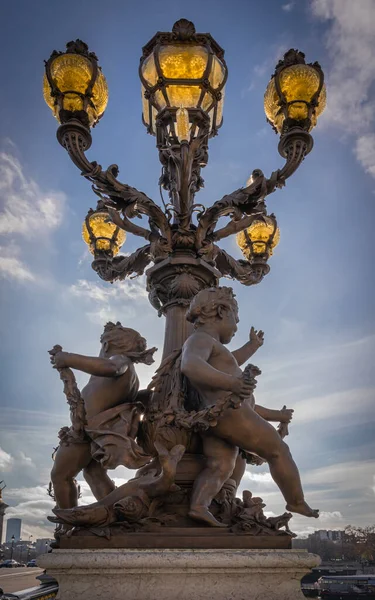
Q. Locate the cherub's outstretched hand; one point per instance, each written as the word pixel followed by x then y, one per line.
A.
pixel 286 415
pixel 59 359
pixel 256 337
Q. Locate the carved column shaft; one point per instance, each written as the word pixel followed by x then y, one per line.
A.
pixel 177 329
pixel 172 284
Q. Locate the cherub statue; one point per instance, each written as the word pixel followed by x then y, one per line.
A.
pixel 215 374
pixel 105 415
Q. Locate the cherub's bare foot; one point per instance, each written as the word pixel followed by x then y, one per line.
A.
pixel 303 509
pixel 201 513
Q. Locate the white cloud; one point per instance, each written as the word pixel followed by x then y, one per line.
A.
pixel 365 152
pixel 350 42
pixel 258 477
pixel 288 7
pixel 11 267
pixel 104 302
pixel 34 516
pixel 26 209
pixel 329 516
pixel 6 461
pixel 349 476
pixel 9 463
pixel 358 402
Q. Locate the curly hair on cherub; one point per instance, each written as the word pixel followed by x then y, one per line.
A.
pixel 122 339
pixel 206 303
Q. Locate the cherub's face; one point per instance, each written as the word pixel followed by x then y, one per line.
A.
pixel 227 325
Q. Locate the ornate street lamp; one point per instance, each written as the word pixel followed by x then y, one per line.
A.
pixel 183 75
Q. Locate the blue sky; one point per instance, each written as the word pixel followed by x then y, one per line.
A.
pixel 317 304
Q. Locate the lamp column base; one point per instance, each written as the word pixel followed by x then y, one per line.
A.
pixel 125 574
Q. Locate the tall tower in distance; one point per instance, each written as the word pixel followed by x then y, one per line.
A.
pixel 3 507
pixel 13 528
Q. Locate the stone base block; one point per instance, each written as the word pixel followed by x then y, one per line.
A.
pixel 126 574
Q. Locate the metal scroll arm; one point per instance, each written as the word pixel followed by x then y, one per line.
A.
pixel 120 267
pixel 293 146
pixel 245 272
pixel 245 201
pixel 76 139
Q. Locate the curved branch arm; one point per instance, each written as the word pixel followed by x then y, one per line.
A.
pixel 242 270
pixel 120 267
pixel 293 146
pixel 76 139
pixel 236 225
pixel 247 200
pixel 127 225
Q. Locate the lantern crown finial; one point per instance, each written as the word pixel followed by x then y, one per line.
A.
pixel 183 29
pixel 80 47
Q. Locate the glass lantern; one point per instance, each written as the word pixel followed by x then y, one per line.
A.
pixel 101 235
pixel 183 70
pixel 296 94
pixel 260 239
pixel 74 86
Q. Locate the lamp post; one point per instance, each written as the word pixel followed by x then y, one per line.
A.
pixel 183 76
pixel 28 548
pixel 12 547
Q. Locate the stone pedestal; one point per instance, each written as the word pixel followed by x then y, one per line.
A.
pixel 125 574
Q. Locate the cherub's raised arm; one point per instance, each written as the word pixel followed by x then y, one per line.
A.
pixel 256 339
pixel 284 415
pixel 93 365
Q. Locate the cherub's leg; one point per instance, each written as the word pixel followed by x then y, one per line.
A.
pixel 97 477
pixel 239 470
pixel 69 461
pixel 220 462
pixel 244 428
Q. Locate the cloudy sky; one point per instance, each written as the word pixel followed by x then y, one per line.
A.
pixel 317 304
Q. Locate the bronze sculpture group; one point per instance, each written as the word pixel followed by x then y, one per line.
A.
pixel 110 429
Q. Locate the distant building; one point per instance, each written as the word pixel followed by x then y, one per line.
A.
pixel 329 544
pixel 13 528
pixel 327 535
pixel 42 546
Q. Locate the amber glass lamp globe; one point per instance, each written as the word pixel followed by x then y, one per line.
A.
pixel 74 85
pixel 102 235
pixel 296 94
pixel 183 69
pixel 259 239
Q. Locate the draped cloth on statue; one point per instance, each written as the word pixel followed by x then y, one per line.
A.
pixel 112 434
